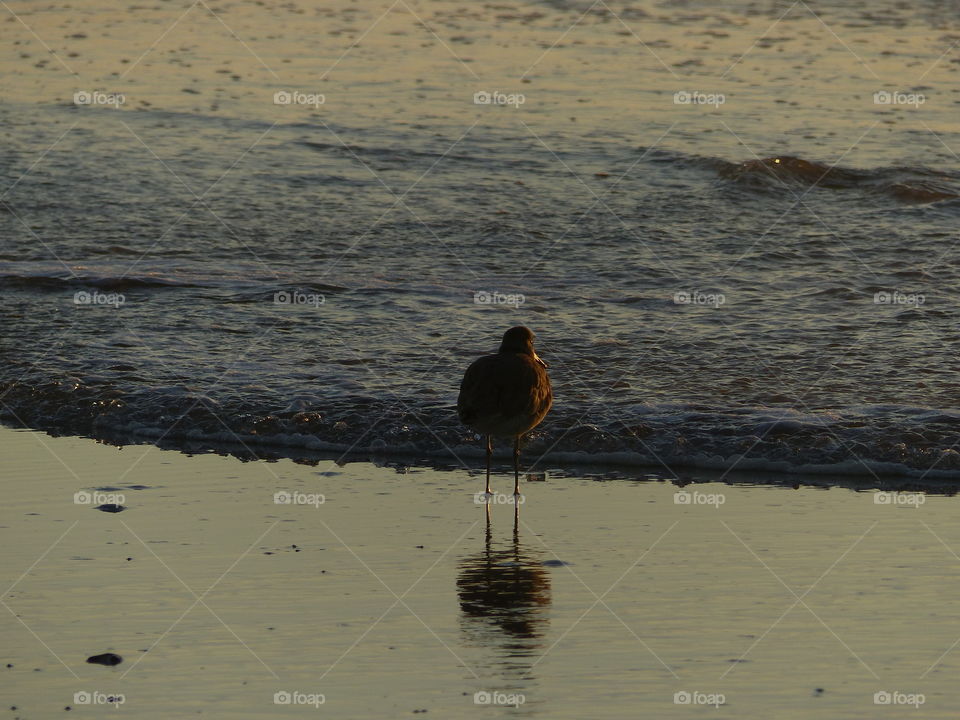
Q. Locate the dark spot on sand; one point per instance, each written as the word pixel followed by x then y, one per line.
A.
pixel 110 508
pixel 109 659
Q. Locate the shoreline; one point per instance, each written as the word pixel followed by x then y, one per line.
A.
pixel 748 471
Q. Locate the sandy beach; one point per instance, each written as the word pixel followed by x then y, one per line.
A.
pixel 377 590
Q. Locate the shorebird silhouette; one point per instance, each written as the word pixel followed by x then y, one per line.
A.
pixel 506 394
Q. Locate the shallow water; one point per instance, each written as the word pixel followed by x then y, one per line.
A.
pixel 605 598
pixel 696 273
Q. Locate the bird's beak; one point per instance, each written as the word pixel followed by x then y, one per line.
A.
pixel 539 360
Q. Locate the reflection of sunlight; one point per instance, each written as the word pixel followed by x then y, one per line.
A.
pixel 504 594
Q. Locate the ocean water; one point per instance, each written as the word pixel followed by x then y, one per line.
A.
pixel 732 228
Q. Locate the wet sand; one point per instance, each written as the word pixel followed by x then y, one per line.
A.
pixel 394 596
pixel 797 78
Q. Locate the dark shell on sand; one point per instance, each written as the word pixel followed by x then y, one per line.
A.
pixel 105 659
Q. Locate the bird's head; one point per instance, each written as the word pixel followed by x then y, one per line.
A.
pixel 520 339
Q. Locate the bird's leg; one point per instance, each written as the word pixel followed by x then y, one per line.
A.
pixel 516 465
pixel 489 452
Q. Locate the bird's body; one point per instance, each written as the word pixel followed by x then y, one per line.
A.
pixel 506 394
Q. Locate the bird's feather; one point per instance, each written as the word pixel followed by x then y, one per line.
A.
pixel 504 394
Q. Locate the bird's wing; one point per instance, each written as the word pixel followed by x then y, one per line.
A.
pixel 479 391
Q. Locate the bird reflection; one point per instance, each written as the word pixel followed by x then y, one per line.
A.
pixel 504 595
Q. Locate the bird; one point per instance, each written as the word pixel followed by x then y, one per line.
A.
pixel 506 394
